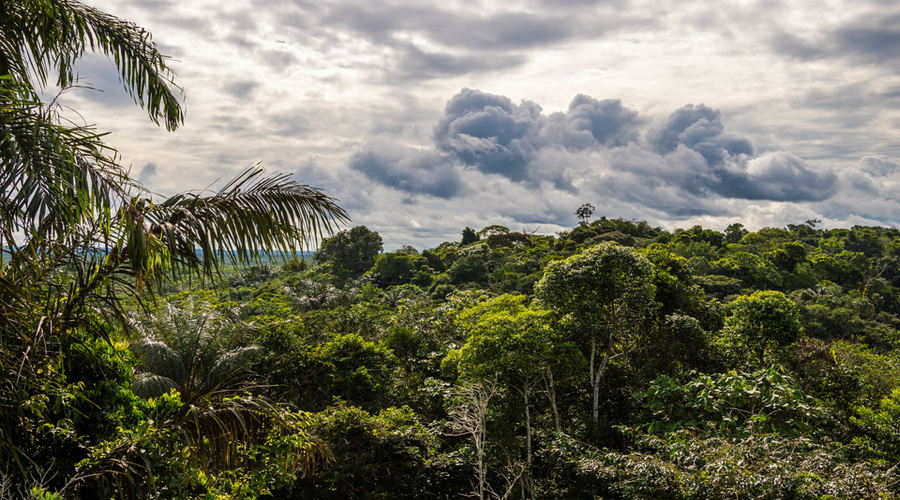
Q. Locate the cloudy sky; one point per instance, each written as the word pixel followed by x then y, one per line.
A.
pixel 423 117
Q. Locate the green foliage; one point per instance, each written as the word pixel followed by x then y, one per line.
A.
pixel 764 323
pixel 753 271
pixel 725 404
pixel 356 370
pixel 401 268
pixel 506 339
pixel 880 425
pixel 471 268
pixel 350 253
pixel 607 287
pixel 684 466
pixel 734 233
pixel 388 454
pixel 83 243
pixel 469 236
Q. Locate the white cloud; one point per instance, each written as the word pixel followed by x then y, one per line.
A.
pixel 287 81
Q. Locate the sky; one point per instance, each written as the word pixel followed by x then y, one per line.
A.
pixel 424 117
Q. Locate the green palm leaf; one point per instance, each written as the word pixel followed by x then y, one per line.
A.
pixel 148 385
pixel 226 367
pixel 42 37
pixel 252 216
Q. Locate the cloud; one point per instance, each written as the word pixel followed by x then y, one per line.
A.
pixel 877 44
pixel 699 128
pixel 408 170
pixel 866 38
pixel 590 122
pixel 683 166
pixel 381 23
pixel 147 172
pixel 241 89
pixel 776 176
pixel 99 75
pixel 323 78
pixel 878 166
pixel 491 133
pixel 420 65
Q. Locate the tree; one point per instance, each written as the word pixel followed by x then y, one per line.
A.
pixel 607 296
pixel 187 353
pixel 350 253
pixel 584 213
pixel 469 236
pixel 79 235
pixel 399 268
pixel 511 344
pixel 48 166
pixel 468 416
pixel 763 323
pixel 734 233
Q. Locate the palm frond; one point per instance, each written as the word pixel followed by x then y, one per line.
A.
pixel 42 37
pixel 148 385
pixel 215 434
pixel 159 359
pixel 226 366
pixel 52 176
pixel 252 216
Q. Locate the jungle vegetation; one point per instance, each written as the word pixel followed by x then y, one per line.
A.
pixel 149 351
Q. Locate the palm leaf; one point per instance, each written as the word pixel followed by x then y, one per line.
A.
pixel 42 37
pixel 226 366
pixel 252 216
pixel 53 177
pixel 214 432
pixel 161 360
pixel 148 385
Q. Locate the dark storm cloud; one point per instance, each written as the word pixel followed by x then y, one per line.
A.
pixel 700 128
pixel 870 39
pixel 491 133
pixel 732 169
pixel 683 166
pixel 408 170
pixel 496 136
pixel 778 176
pixel 589 122
pixel 417 64
pixel 682 162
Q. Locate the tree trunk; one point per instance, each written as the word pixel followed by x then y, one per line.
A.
pixel 595 382
pixel 527 481
pixel 551 395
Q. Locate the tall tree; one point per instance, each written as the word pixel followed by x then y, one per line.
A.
pixel 607 296
pixel 350 253
pixel 514 345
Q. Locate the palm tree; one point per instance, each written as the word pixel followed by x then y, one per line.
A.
pixel 186 350
pixel 78 236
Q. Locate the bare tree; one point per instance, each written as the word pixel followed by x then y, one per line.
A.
pixel 468 417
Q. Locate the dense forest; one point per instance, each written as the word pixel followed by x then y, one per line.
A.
pixel 178 347
pixel 615 360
